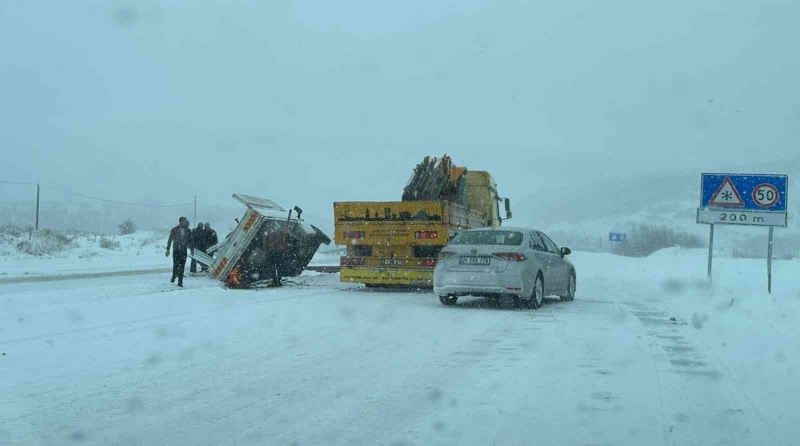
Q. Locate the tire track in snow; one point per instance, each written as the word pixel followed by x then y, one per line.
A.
pixel 694 383
pixel 262 301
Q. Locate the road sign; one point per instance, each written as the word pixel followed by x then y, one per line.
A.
pixel 743 199
pixel 617 236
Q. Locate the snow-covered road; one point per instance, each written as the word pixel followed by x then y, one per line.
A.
pixel 131 360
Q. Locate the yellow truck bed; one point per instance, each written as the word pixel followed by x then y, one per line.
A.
pixel 396 242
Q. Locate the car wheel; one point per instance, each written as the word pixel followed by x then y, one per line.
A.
pixel 570 288
pixel 537 294
pixel 448 300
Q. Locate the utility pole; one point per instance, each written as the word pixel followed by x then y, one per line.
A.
pixel 37 207
pixel 195 210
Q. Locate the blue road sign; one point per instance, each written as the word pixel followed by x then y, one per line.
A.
pixel 617 236
pixel 762 193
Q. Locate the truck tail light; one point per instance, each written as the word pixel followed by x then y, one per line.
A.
pixel 445 254
pixel 427 263
pixel 426 235
pixel 354 234
pixel 352 261
pixel 511 256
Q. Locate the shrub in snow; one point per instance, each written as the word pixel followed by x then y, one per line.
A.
pixel 108 243
pixel 127 227
pixel 43 243
pixel 644 240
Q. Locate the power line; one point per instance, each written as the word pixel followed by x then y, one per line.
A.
pixel 104 200
pixel 18 182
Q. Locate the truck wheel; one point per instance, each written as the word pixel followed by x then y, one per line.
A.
pixel 448 300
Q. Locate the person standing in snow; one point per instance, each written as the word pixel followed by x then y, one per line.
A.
pixel 180 241
pixel 210 239
pixel 196 237
pixel 276 243
pixel 211 236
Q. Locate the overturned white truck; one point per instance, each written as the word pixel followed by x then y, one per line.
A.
pixel 268 243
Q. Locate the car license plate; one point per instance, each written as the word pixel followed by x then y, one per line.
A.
pixel 392 262
pixel 475 260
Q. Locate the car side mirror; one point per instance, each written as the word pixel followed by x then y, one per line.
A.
pixel 507 204
pixel 565 251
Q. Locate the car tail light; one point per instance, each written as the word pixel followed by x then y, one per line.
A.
pixel 511 256
pixel 427 235
pixel 445 254
pixel 354 234
pixel 352 261
pixel 427 263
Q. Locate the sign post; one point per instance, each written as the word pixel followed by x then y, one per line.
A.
pixel 743 199
pixel 769 262
pixel 710 248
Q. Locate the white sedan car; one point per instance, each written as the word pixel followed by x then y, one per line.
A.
pixel 495 262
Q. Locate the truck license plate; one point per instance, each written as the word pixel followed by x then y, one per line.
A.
pixel 392 262
pixel 475 260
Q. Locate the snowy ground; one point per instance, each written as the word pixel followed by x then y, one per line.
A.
pixel 648 353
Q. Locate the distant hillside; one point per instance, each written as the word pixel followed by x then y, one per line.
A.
pixel 104 218
pixel 584 214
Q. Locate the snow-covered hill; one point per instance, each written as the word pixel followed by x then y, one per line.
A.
pixel 583 215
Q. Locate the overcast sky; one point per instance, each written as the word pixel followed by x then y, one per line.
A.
pixel 150 100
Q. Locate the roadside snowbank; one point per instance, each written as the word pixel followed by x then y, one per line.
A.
pixel 81 253
pixel 752 332
pixel 738 289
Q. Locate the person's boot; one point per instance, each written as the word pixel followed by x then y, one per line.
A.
pixel 173 279
pixel 180 282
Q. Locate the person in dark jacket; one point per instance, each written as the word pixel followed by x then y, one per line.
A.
pixel 276 243
pixel 180 241
pixel 211 236
pixel 196 237
pixel 210 239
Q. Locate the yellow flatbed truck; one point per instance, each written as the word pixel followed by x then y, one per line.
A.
pixel 397 242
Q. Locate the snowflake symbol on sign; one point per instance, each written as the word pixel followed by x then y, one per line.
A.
pixel 727 195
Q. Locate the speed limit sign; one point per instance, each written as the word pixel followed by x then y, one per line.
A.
pixel 743 199
pixel 766 195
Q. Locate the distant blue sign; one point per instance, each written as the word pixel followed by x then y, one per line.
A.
pixel 617 236
pixel 762 193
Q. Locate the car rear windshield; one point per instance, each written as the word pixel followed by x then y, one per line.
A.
pixel 512 238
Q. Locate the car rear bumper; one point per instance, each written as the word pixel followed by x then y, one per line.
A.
pixel 461 290
pixel 478 284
